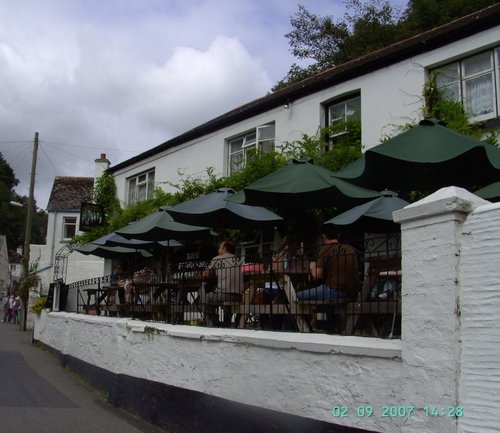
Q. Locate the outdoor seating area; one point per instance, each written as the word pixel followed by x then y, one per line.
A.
pixel 267 296
pixel 346 288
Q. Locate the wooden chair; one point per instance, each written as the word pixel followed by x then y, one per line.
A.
pixel 367 307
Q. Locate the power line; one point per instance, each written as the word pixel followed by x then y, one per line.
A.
pixel 69 153
pixel 79 146
pixel 48 159
pixel 19 152
pixel 90 147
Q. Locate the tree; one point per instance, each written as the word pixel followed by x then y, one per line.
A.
pixel 105 194
pixel 366 27
pixel 12 217
pixel 423 15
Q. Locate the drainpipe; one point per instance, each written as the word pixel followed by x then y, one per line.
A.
pixel 52 247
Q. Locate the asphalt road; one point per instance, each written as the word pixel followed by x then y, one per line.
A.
pixel 37 395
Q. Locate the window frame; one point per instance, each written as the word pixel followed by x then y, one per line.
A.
pixel 459 83
pixel 66 224
pixel 147 185
pixel 345 100
pixel 252 139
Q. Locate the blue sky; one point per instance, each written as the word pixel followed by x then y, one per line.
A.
pixel 122 76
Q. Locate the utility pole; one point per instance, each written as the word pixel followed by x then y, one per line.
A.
pixel 29 220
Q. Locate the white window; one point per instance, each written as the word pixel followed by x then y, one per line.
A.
pixel 338 116
pixel 69 227
pixel 474 81
pixel 141 187
pixel 261 138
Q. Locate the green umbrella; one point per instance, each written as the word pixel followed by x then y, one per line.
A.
pixel 213 210
pixel 115 240
pixel 490 192
pixel 427 157
pixel 374 216
pixel 160 226
pixel 110 252
pixel 301 185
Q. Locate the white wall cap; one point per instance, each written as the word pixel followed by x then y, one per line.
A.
pixel 451 199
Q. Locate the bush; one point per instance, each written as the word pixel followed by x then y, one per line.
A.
pixel 39 305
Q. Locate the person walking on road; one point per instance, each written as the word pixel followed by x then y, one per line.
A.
pixel 15 307
pixel 6 307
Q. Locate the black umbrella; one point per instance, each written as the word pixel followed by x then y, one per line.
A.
pixel 374 216
pixel 213 210
pixel 427 157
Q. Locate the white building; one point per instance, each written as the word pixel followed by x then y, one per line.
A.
pixel 63 209
pixel 382 89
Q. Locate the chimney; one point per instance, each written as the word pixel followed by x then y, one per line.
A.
pixel 101 165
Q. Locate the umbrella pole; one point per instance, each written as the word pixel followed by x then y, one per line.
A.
pixel 167 262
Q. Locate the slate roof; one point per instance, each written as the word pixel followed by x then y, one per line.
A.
pixel 421 43
pixel 68 192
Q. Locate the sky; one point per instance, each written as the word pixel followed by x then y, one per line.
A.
pixel 122 76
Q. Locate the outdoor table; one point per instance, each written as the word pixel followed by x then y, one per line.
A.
pixel 258 297
pixel 98 295
pixel 183 295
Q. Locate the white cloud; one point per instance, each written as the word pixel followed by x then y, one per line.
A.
pixel 175 95
pixel 122 76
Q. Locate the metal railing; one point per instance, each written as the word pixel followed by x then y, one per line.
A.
pixel 266 295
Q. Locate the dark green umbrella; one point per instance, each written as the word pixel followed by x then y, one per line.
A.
pixel 374 216
pixel 111 252
pixel 160 226
pixel 427 157
pixel 213 210
pixel 115 240
pixel 302 185
pixel 490 192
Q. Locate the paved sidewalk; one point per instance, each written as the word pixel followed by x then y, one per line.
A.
pixel 37 395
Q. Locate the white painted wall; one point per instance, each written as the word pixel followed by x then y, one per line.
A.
pixel 80 266
pixel 390 97
pixel 480 321
pixel 293 373
pixel 448 354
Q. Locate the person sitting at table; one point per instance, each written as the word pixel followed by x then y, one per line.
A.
pixel 227 269
pixel 336 272
pixel 287 260
pixel 119 282
pixel 142 282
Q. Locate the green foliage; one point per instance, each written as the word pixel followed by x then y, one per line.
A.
pixel 368 25
pixel 319 149
pixel 122 217
pixel 426 14
pixel 150 332
pixel 26 282
pixel 190 187
pixel 105 194
pixel 453 114
pixel 257 166
pixel 39 305
pixel 13 217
